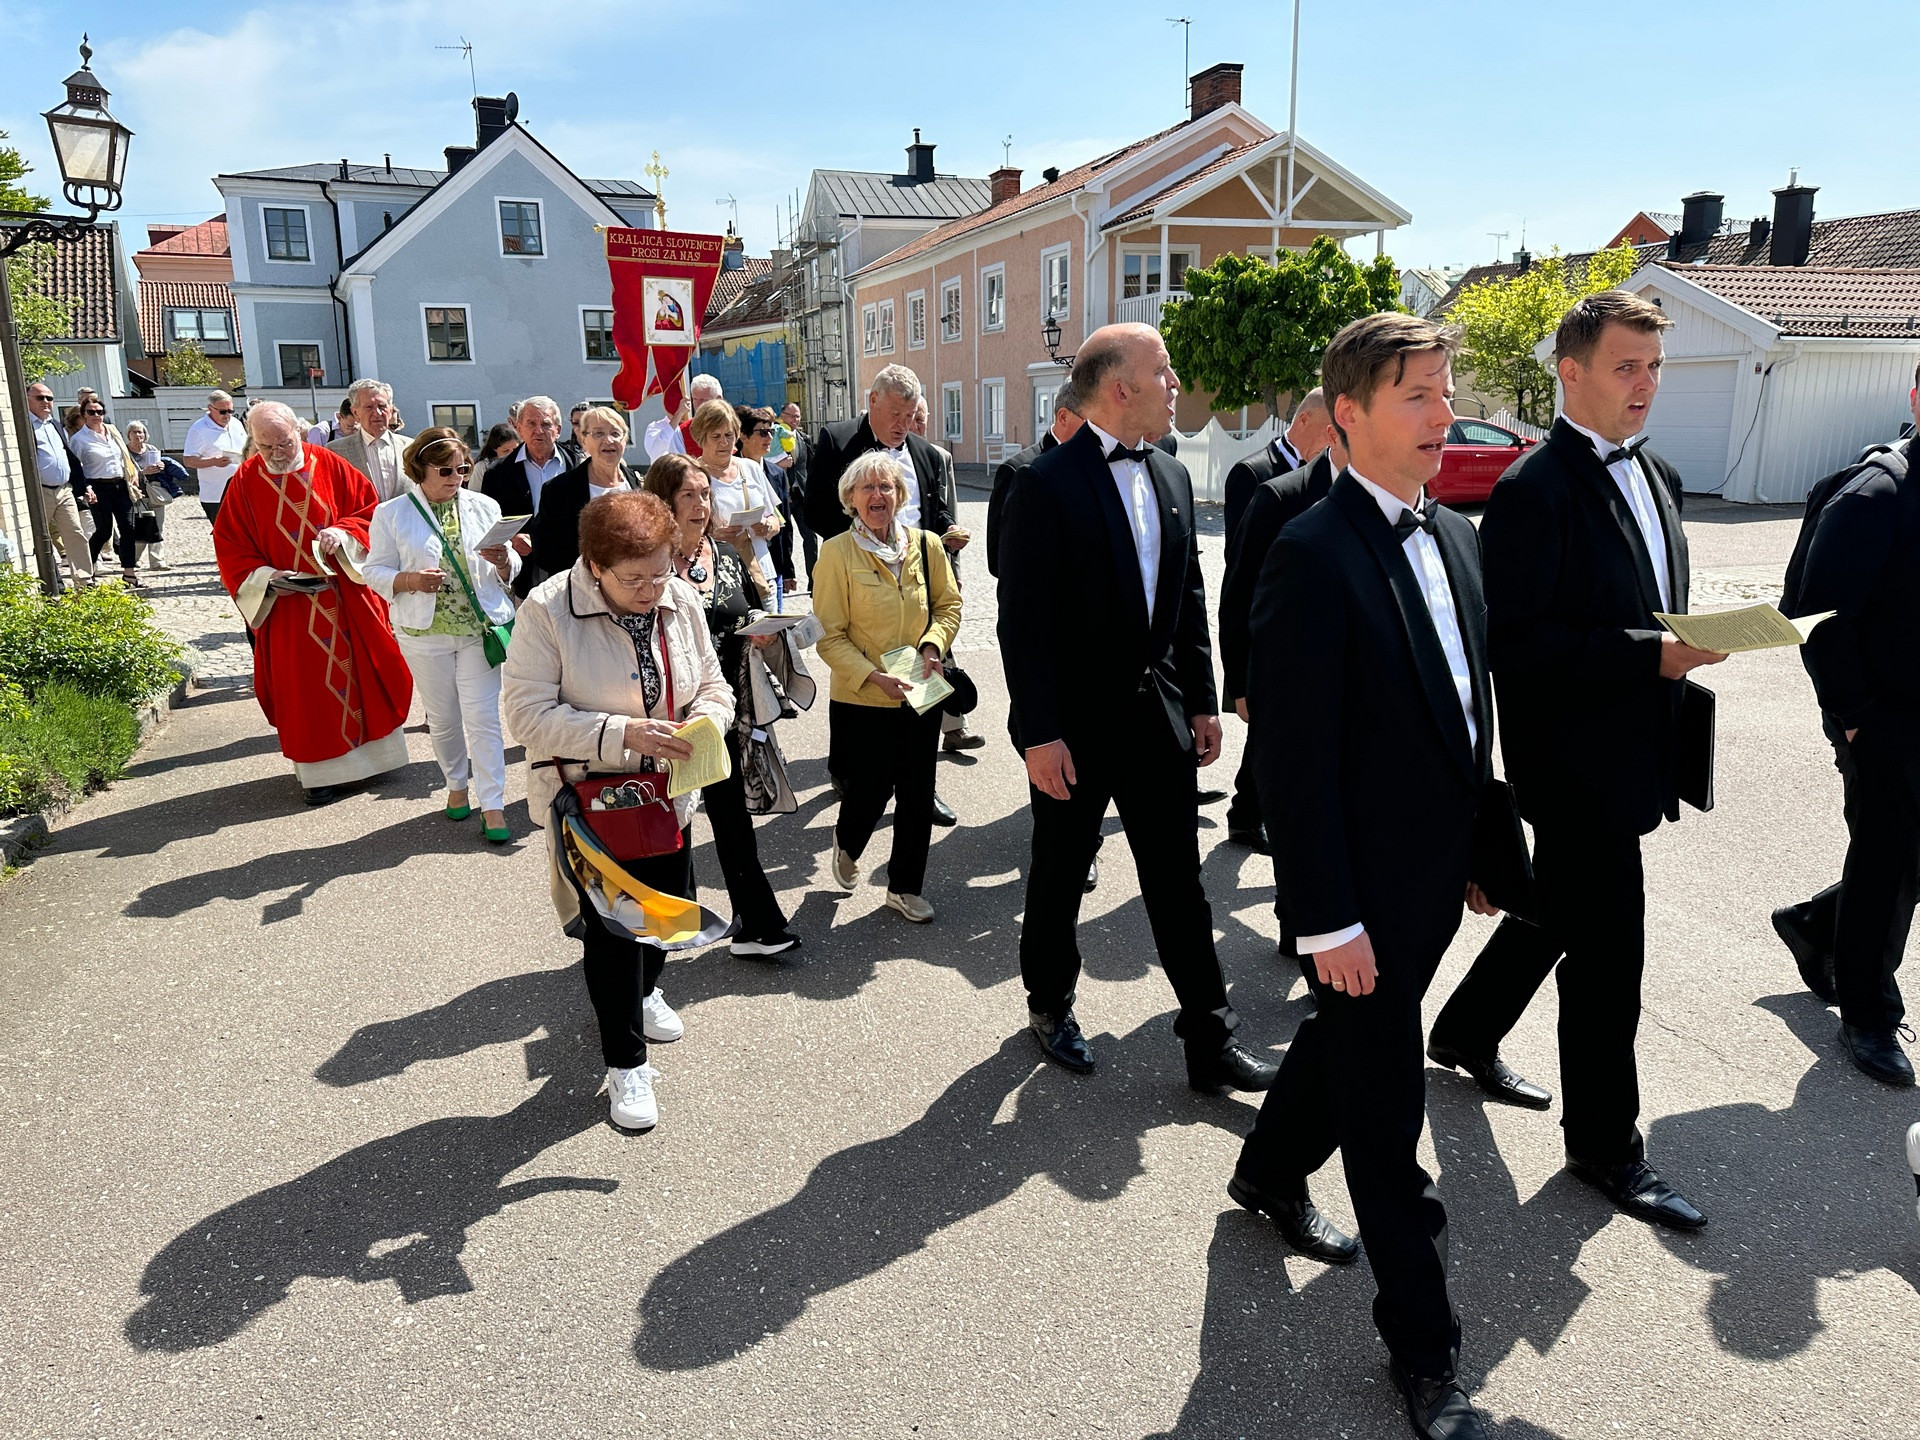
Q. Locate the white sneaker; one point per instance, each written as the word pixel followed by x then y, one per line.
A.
pixel 911 906
pixel 846 873
pixel 630 1100
pixel 657 1020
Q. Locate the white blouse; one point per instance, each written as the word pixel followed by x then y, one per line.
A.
pixel 747 490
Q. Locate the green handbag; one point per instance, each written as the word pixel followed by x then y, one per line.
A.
pixel 493 638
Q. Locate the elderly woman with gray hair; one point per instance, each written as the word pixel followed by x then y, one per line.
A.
pixel 883 586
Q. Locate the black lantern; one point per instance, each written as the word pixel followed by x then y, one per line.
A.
pixel 89 143
pixel 1050 334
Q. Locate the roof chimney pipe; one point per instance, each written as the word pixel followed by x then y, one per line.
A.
pixel 1005 183
pixel 457 156
pixel 1792 238
pixel 1213 87
pixel 343 167
pixel 1700 217
pixel 919 160
pixel 491 117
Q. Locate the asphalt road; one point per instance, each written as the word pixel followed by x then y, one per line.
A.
pixel 303 1139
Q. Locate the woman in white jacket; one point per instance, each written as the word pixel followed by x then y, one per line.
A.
pixel 416 552
pixel 611 657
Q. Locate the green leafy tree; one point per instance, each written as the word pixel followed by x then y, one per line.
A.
pixel 37 316
pixel 1502 320
pixel 1253 331
pixel 187 364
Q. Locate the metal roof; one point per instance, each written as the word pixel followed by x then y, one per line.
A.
pixel 407 177
pixel 208 238
pixel 874 194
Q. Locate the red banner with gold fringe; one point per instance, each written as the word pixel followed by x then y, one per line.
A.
pixel 662 280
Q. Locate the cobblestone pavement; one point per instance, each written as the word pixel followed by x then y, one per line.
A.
pixel 190 604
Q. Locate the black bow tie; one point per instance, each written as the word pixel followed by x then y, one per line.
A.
pixel 1425 518
pixel 1625 452
pixel 1121 452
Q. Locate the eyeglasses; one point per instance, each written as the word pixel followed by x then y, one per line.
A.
pixel 94 410
pixel 445 470
pixel 639 582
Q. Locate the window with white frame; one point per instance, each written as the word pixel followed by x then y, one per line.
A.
pixel 521 232
pixel 993 409
pixel 993 298
pixel 1055 282
pixel 950 310
pixel 917 320
pixel 447 333
pixel 596 328
pixel 886 327
pixel 1140 272
pixel 869 329
pixel 950 413
pixel 211 330
pixel 286 234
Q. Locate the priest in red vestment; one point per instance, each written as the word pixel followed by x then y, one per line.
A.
pixel 289 539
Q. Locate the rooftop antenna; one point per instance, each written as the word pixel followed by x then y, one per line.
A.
pixel 1186 58
pixel 1006 151
pixel 1499 238
pixel 465 47
pixel 729 200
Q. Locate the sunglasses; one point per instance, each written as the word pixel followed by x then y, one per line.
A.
pixel 445 470
pixel 227 411
pixel 92 411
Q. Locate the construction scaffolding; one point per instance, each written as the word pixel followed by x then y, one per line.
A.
pixel 814 301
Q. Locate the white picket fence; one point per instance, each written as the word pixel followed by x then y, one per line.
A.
pixel 1211 452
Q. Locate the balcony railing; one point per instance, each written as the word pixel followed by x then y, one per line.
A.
pixel 1145 309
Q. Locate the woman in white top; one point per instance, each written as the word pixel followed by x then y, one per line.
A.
pixel 411 560
pixel 146 459
pixel 110 470
pixel 740 490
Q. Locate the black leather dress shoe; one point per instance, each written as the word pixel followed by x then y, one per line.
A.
pixel 1254 839
pixel 1061 1041
pixel 1495 1077
pixel 1300 1224
pixel 1210 797
pixel 1816 969
pixel 1636 1189
pixel 943 813
pixel 326 794
pixel 1878 1054
pixel 1093 876
pixel 1439 1409
pixel 1233 1067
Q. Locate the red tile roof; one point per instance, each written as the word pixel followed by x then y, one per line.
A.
pixel 79 272
pixel 159 296
pixel 1805 300
pixel 727 288
pixel 1073 180
pixel 209 237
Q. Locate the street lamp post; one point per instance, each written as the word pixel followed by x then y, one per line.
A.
pixel 91 148
pixel 1050 336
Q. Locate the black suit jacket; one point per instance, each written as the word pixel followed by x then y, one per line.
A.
pixel 1586 722
pixel 505 483
pixel 1275 458
pixel 839 445
pixel 555 531
pixel 1070 585
pixel 1003 482
pixel 1361 752
pixel 1274 504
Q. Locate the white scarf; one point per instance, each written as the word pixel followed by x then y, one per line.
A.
pixel 892 551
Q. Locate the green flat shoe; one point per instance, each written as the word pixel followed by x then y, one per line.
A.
pixel 496 837
pixel 459 812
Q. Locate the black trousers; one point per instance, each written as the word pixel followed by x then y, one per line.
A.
pixel 881 753
pixel 781 546
pixel 1243 813
pixel 1872 906
pixel 809 542
pixel 620 972
pixel 212 507
pixel 1593 907
pixel 1135 763
pixel 738 850
pixel 114 509
pixel 1354 1080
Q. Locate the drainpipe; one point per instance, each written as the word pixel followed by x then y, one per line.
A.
pixel 1089 248
pixel 342 322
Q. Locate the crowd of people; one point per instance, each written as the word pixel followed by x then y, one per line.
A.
pixel 620 623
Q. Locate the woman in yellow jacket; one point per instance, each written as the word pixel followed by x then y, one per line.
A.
pixel 872 593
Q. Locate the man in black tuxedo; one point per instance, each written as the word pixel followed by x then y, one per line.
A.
pixel 1372 717
pixel 1066 423
pixel 1583 545
pixel 1269 494
pixel 1103 633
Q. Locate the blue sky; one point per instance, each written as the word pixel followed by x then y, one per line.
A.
pixel 1476 117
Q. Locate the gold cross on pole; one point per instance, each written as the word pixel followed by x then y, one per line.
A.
pixel 657 172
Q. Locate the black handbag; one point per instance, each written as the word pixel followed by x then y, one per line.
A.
pixel 965 694
pixel 146 528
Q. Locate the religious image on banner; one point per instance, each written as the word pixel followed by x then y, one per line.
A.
pixel 662 281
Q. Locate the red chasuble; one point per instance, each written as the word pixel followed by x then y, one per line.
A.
pixel 326 669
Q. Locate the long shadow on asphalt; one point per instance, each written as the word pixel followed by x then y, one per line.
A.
pixel 875 1203
pixel 397 1209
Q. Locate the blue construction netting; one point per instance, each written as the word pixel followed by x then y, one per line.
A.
pixel 751 375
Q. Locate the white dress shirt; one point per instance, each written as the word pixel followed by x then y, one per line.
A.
pixel 1142 506
pixel 1635 490
pixel 538 475
pixel 1423 553
pixel 100 458
pixel 383 465
pixel 909 513
pixel 662 437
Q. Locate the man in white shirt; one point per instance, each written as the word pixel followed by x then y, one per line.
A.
pixel 54 469
pixel 375 448
pixel 212 450
pixel 662 436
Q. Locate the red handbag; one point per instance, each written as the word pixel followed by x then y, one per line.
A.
pixel 631 814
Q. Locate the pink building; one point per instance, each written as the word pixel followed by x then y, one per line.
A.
pixel 969 306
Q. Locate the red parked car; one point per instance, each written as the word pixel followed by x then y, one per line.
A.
pixel 1476 455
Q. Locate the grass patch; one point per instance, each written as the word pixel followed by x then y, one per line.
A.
pixel 63 743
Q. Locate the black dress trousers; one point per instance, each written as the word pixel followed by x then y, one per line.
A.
pixel 621 973
pixel 1879 882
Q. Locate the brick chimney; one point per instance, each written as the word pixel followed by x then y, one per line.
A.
pixel 1213 87
pixel 1005 182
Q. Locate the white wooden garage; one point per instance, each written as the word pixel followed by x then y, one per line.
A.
pixel 1778 375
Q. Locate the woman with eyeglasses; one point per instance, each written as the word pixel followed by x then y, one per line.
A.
pixel 609 659
pixel 728 440
pixel 555 531
pixel 422 558
pixel 110 470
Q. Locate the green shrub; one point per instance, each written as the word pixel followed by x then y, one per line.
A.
pixel 101 640
pixel 65 740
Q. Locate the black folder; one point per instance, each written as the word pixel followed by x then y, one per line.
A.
pixel 1693 745
pixel 1499 863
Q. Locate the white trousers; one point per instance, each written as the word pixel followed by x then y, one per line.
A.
pixel 461 693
